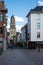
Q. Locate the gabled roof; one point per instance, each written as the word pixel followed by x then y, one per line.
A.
pixel 37 9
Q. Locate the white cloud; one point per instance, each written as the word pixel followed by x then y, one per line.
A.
pixel 40 2
pixel 19 19
pixel 18 28
pixel 8 19
pixel 8 26
pixel 8 23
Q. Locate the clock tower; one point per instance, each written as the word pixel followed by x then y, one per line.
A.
pixel 13 29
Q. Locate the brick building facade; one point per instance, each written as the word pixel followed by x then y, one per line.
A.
pixel 3 11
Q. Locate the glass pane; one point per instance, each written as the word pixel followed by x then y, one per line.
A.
pixel 38 34
pixel 38 25
pixel 38 16
pixel 1 17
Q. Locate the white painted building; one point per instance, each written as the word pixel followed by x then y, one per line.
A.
pixel 35 24
pixel 24 33
pixel 19 37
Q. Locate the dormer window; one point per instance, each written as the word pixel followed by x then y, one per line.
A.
pixel 1 17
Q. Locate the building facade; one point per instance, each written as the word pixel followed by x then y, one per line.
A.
pixel 19 37
pixel 13 29
pixel 35 26
pixel 24 35
pixel 3 20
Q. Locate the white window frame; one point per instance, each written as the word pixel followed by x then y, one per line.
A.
pixel 38 16
pixel 38 25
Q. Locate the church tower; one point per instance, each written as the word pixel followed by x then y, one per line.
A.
pixel 13 29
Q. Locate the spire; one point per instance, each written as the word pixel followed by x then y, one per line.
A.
pixel 12 12
pixel 12 16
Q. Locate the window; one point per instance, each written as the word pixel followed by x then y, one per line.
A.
pixel 38 16
pixel 38 25
pixel 1 17
pixel 1 30
pixel 38 34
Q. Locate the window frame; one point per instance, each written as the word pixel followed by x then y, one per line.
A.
pixel 1 17
pixel 38 35
pixel 38 25
pixel 1 30
pixel 38 16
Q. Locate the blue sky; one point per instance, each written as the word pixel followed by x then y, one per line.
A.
pixel 20 8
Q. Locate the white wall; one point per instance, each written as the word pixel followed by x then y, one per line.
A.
pixel 18 38
pixel 34 29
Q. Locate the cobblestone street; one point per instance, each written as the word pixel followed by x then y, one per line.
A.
pixel 21 57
